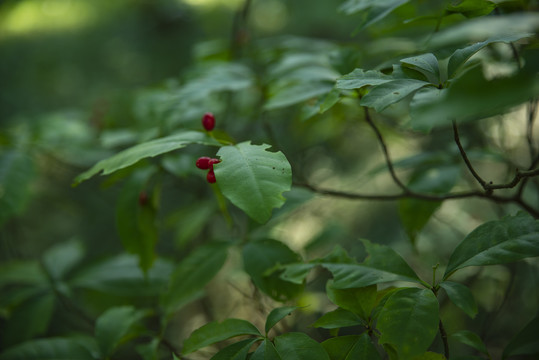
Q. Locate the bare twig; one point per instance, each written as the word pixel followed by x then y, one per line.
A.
pixel 389 163
pixel 465 157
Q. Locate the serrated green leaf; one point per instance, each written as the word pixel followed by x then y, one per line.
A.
pixel 351 347
pixel 121 275
pixel 135 222
pixel 151 148
pixel 261 256
pixel 360 301
pixel 460 56
pixel 49 348
pixel 114 326
pixel 409 321
pixel 381 96
pixel 277 315
pixel 16 173
pixel 236 351
pixel 253 178
pixel 337 319
pixel 497 242
pixel 427 64
pixel 461 296
pixel 415 213
pixel 214 332
pixel 471 339
pixel 360 78
pixel 471 8
pixel 525 342
pixel 188 280
pixel 299 346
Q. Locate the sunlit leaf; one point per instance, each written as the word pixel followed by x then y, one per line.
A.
pixel 409 321
pixel 151 148
pixel 497 242
pixel 253 178
pixel 214 332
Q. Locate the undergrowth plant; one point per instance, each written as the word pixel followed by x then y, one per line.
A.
pixel 425 71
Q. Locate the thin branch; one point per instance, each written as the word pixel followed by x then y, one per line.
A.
pixel 389 163
pixel 532 111
pixel 465 157
pixel 443 334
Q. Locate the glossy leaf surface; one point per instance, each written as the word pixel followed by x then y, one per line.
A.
pixel 461 296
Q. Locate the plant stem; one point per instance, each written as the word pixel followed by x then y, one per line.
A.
pixel 443 335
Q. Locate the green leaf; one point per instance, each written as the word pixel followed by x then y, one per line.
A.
pixel 357 275
pixel 135 222
pixel 472 97
pixel 381 96
pixel 29 319
pixel 266 351
pixel 409 321
pixel 351 347
pixel 214 332
pixel 432 356
pixel 471 339
pixel 472 8
pixel 61 258
pixel 484 28
pixel 16 173
pixel 525 342
pixel 461 56
pixel 497 242
pixel 427 64
pixel 296 273
pixel 330 100
pixel 461 296
pixel 21 272
pixel 299 346
pixel 151 148
pixel 253 178
pixel 277 315
pixel 377 9
pixel 360 78
pixel 415 213
pixel 384 258
pixel 115 326
pixel 121 275
pixel 236 351
pixel 360 301
pixel 297 93
pixel 49 348
pixel 337 319
pixel 192 274
pixel 259 257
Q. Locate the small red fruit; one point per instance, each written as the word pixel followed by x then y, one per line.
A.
pixel 213 161
pixel 211 177
pixel 204 163
pixel 142 198
pixel 208 121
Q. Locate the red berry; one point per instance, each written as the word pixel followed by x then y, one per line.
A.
pixel 211 177
pixel 208 121
pixel 213 161
pixel 204 163
pixel 142 198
